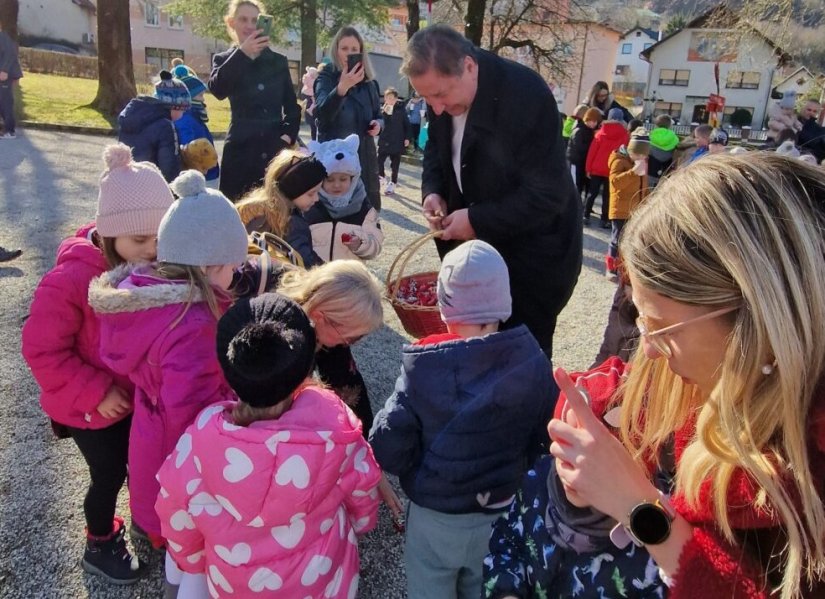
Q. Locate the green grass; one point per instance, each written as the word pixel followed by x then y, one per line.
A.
pixel 65 100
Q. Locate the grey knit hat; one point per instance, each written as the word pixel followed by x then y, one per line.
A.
pixel 474 285
pixel 202 228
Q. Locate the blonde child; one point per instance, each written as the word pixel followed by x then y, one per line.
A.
pixel 158 326
pixel 285 480
pixel 85 398
pixel 343 223
pixel 290 188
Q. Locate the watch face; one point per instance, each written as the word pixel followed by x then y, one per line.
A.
pixel 650 523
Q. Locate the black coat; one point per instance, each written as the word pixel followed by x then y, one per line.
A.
pixel 340 116
pixel 395 132
pixel 145 125
pixel 579 143
pixel 263 105
pixel 812 139
pixel 517 187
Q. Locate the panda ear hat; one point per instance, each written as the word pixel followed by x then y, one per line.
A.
pixel 338 155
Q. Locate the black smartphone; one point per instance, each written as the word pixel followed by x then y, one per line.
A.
pixel 353 60
pixel 264 23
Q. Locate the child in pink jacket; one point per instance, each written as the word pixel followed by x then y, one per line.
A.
pixel 84 398
pixel 158 326
pixel 267 495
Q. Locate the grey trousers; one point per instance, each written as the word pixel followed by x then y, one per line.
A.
pixel 444 553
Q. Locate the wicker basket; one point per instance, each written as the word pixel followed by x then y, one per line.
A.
pixel 418 321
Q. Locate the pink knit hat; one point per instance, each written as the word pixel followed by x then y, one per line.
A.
pixel 133 197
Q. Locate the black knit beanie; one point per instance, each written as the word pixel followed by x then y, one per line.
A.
pixel 266 347
pixel 301 176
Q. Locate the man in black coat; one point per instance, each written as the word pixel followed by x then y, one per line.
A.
pixel 495 169
pixel 812 136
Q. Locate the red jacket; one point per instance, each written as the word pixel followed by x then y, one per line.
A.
pixel 610 137
pixel 709 566
pixel 61 338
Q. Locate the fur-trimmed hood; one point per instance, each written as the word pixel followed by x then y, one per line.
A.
pixel 131 288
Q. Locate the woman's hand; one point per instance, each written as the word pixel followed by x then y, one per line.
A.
pixel 591 461
pixel 254 44
pixel 350 79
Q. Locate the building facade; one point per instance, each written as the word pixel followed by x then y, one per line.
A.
pixel 631 71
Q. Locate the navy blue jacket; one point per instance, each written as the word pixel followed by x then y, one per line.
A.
pixel 190 127
pixel 467 419
pixel 146 126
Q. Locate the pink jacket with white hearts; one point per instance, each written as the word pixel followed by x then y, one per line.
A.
pixel 61 338
pixel 274 507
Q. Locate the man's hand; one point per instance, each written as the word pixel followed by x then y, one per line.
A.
pixel 3 75
pixel 434 209
pixel 456 225
pixel 115 403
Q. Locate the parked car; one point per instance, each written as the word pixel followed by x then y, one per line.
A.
pixel 55 48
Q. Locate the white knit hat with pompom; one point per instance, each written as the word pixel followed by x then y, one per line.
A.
pixel 133 196
pixel 202 228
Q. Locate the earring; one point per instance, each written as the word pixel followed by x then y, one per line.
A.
pixel 767 369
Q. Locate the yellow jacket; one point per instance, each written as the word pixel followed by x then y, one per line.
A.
pixel 627 189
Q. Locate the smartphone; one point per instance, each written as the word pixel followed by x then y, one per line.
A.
pixel 264 23
pixel 353 60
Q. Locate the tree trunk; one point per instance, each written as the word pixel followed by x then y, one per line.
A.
pixel 309 35
pixel 116 75
pixel 474 23
pixel 8 17
pixel 413 17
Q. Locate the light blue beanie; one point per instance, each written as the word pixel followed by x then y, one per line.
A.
pixel 202 228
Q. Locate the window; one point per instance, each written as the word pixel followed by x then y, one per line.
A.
pixel 627 48
pixel 622 69
pixel 648 45
pixel 743 80
pixel 175 21
pixel 672 109
pixel 151 14
pixel 679 78
pixel 161 58
pixel 729 110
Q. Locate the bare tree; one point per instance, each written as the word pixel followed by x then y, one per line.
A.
pixel 116 76
pixel 9 10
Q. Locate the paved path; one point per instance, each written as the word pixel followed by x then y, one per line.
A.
pixel 48 187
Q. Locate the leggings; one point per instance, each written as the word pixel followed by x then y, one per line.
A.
pixel 395 161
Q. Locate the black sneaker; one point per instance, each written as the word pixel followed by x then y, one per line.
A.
pixel 6 255
pixel 109 558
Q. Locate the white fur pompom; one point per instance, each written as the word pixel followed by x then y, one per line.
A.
pixel 117 156
pixel 189 183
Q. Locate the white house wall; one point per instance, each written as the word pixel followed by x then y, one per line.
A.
pixel 55 19
pixel 637 69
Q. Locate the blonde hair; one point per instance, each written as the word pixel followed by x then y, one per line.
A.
pixel 342 290
pixel 232 11
pixel 200 289
pixel 267 200
pixel 333 50
pixel 744 231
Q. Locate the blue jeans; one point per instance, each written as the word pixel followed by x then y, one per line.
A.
pixel 617 224
pixel 7 104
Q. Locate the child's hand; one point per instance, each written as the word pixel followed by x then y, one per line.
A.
pixel 353 242
pixel 640 167
pixel 389 497
pixel 115 403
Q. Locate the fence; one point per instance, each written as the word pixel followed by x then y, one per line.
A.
pixel 734 134
pixel 73 65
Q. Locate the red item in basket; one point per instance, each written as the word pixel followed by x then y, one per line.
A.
pixel 418 294
pixel 346 237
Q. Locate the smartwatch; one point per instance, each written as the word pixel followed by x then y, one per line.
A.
pixel 649 522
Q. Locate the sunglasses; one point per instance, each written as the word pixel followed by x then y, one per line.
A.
pixel 345 339
pixel 656 338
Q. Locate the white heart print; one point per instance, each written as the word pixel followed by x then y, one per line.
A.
pixel 204 502
pixel 272 442
pixel 181 520
pixel 335 584
pixel 218 579
pixel 239 465
pixel 206 415
pixel 317 567
pixel 184 448
pixel 289 535
pixel 237 556
pixel 361 464
pixel 327 436
pixel 294 470
pixel 192 485
pixel 264 578
pixel 227 505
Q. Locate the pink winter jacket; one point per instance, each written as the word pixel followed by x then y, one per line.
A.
pixel 61 338
pixel 273 507
pixel 175 369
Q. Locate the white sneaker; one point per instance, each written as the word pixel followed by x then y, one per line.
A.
pixel 8 136
pixel 390 188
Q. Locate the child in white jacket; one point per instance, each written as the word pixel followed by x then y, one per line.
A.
pixel 343 223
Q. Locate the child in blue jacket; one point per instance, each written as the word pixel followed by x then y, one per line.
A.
pixel 193 124
pixel 468 417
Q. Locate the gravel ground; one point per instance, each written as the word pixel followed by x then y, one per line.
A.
pixel 48 187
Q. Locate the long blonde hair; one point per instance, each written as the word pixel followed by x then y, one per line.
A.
pixel 747 231
pixel 200 289
pixel 344 291
pixel 267 200
pixel 333 50
pixel 232 11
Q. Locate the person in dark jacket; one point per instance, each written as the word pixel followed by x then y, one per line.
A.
pixel 507 181
pixel 394 137
pixel 147 125
pixel 10 72
pixel 601 98
pixel 812 136
pixel 579 144
pixel 348 101
pixel 265 112
pixel 467 418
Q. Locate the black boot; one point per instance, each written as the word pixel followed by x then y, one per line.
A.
pixel 6 255
pixel 109 557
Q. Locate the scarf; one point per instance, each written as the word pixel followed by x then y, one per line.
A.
pixel 199 111
pixel 346 204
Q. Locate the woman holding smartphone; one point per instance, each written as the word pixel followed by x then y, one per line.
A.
pixel 265 112
pixel 347 101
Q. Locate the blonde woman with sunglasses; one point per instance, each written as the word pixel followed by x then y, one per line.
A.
pixel 727 266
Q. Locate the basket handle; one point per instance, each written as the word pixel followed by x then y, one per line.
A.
pixel 404 256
